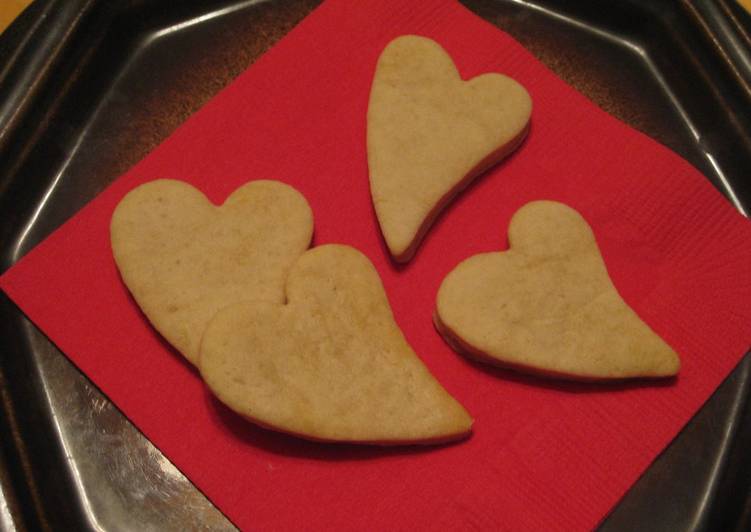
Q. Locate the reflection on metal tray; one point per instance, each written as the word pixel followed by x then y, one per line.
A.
pixel 80 102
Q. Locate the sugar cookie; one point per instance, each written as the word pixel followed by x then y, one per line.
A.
pixel 331 364
pixel 183 258
pixel 548 306
pixel 430 134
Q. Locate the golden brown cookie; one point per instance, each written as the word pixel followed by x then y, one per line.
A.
pixel 331 364
pixel 548 306
pixel 430 134
pixel 183 258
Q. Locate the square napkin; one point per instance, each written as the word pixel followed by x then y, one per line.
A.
pixel 544 455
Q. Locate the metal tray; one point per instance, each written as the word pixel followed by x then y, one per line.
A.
pixel 88 87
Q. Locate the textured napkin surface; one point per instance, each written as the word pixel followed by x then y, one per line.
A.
pixel 544 456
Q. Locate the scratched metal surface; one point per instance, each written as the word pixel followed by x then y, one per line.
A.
pixel 95 107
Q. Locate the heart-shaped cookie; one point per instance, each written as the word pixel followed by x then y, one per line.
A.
pixel 184 258
pixel 548 306
pixel 430 134
pixel 331 364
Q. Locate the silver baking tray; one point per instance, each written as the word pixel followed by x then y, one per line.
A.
pixel 88 87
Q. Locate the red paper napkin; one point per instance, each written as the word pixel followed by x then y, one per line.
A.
pixel 544 456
